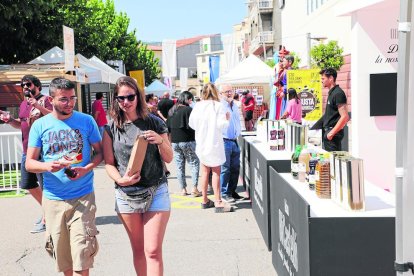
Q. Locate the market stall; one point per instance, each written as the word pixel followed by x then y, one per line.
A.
pixel 322 218
pixel 313 236
pixel 261 159
pixel 253 75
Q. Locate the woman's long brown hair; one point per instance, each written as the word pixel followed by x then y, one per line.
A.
pixel 116 112
pixel 210 92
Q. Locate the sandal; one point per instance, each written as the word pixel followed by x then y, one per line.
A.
pixel 196 193
pixel 224 209
pixel 208 204
pixel 184 193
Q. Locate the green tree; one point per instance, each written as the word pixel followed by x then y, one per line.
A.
pixel 327 55
pixel 27 28
pixel 149 63
pixel 34 26
pixel 297 60
pixel 270 63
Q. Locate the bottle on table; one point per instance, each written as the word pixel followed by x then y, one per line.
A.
pixel 323 177
pixel 303 161
pixel 312 165
pixel 281 138
pixel 295 162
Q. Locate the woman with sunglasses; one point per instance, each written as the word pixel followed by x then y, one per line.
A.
pixel 208 119
pixel 130 119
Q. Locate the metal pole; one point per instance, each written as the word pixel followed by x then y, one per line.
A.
pixel 402 199
pixel 308 48
pixel 261 32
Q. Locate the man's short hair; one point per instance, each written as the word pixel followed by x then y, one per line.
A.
pixel 34 80
pixel 224 87
pixel 290 58
pixel 329 72
pixel 99 95
pixel 60 83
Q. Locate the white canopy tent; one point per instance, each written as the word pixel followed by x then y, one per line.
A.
pixel 112 74
pixel 96 70
pixel 94 74
pixel 250 70
pixel 52 56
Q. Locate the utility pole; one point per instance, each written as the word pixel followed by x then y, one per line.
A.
pixel 308 48
pixel 259 22
pixel 404 179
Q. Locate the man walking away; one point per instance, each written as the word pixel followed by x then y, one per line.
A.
pixel 98 112
pixel 164 105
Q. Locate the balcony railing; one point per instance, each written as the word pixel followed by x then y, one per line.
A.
pixel 262 37
pixel 265 4
pixel 259 6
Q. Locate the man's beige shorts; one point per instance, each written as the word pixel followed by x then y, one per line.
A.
pixel 71 232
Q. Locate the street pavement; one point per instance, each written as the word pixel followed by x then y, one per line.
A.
pixel 197 242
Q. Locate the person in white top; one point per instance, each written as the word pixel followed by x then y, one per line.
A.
pixel 237 101
pixel 208 119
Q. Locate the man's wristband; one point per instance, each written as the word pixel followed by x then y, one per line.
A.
pixel 162 141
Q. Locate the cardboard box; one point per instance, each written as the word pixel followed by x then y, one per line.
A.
pixel 137 155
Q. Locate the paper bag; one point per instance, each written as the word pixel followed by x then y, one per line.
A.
pixel 137 155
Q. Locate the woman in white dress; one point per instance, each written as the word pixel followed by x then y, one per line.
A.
pixel 208 119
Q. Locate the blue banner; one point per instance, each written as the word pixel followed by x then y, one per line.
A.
pixel 214 66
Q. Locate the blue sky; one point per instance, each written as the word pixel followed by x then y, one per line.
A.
pixel 156 20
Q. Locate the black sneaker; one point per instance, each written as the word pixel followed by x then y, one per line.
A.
pixel 228 199
pixel 236 196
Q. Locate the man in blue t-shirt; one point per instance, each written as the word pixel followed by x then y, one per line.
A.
pixel 63 139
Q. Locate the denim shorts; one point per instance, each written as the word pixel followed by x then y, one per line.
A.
pixel 160 203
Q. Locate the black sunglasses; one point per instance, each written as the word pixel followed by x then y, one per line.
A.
pixel 130 98
pixel 28 84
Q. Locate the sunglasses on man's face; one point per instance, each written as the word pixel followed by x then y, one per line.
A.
pixel 130 98
pixel 28 84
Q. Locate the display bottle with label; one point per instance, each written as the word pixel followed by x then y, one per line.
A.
pixel 303 167
pixel 323 178
pixel 295 161
pixel 273 141
pixel 281 138
pixel 312 165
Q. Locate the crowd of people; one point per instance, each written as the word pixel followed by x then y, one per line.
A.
pixel 62 146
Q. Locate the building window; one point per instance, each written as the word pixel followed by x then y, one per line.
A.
pixel 313 5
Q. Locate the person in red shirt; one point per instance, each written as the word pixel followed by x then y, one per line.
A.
pixel 98 112
pixel 248 107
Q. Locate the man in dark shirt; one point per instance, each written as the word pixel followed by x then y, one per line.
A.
pixel 164 106
pixel 34 106
pixel 336 112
